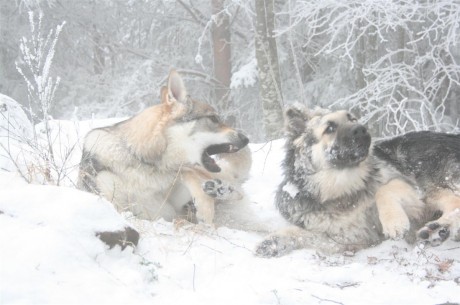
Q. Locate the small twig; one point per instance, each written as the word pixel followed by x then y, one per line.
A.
pixel 193 280
pixel 326 300
pixel 275 292
pixel 189 245
pixel 234 244
pixel 169 191
pixel 346 285
pixel 450 249
pixel 190 10
pixel 212 249
pixel 16 165
pixel 266 156
pixel 203 76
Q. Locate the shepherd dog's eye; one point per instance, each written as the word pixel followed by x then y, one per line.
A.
pixel 331 128
pixel 351 118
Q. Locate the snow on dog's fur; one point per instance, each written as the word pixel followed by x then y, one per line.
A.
pixel 341 193
pixel 158 163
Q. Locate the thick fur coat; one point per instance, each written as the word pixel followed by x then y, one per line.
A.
pixel 342 193
pixel 174 159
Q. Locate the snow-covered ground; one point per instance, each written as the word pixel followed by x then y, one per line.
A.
pixel 50 255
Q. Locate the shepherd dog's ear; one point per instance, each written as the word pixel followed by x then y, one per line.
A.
pixel 176 87
pixel 296 118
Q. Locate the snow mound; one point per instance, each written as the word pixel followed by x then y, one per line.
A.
pixel 15 128
pixel 50 252
pixel 14 121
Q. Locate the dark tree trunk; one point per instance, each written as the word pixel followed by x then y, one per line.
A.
pixel 98 53
pixel 221 48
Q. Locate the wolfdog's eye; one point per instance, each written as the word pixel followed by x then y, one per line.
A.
pixel 331 128
pixel 214 119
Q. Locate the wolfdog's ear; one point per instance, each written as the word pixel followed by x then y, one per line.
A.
pixel 164 95
pixel 176 87
pixel 295 120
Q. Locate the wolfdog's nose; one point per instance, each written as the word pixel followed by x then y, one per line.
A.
pixel 358 131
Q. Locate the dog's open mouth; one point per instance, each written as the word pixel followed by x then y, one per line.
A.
pixel 210 163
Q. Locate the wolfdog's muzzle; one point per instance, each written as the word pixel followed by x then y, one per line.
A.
pixel 239 141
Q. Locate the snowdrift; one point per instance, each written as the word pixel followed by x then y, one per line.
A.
pixel 50 254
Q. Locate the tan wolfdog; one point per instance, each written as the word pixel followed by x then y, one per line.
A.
pixel 173 159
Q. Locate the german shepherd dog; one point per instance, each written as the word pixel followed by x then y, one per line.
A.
pixel 158 163
pixel 343 193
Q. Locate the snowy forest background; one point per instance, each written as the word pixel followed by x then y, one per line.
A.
pixel 73 65
pixel 394 63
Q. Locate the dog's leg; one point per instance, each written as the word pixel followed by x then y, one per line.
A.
pixel 437 231
pixel 282 242
pixel 204 203
pixel 292 238
pixel 392 199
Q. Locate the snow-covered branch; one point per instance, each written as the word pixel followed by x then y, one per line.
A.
pixel 36 58
pixel 400 56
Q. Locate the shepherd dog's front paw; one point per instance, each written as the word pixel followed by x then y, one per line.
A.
pixel 396 227
pixel 433 233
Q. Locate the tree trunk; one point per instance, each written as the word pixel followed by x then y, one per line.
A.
pixel 98 53
pixel 268 69
pixel 221 48
pixel 447 91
